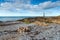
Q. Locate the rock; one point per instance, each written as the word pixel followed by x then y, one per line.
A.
pixel 43 38
pixel 23 29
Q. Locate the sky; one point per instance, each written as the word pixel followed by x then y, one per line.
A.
pixel 29 7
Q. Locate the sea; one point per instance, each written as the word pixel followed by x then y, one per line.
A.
pixel 13 18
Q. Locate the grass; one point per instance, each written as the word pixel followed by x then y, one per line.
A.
pixel 42 19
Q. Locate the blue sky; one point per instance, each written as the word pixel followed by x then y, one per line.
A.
pixel 40 1
pixel 29 7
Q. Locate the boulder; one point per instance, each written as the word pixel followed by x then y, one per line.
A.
pixel 23 29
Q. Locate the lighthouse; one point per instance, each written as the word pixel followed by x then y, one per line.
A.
pixel 43 14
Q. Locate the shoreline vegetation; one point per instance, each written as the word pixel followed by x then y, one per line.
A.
pixel 55 19
pixel 42 20
pixel 33 28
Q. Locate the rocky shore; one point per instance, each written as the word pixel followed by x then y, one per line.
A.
pixel 37 30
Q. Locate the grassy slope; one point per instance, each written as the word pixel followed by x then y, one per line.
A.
pixel 42 20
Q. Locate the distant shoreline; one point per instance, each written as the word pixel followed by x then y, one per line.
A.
pixel 18 18
pixel 14 18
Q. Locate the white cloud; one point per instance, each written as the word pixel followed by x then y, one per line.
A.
pixel 46 5
pixel 25 5
pixel 6 6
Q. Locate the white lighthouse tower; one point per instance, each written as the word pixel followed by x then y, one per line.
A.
pixel 44 14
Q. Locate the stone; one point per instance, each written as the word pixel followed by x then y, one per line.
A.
pixel 23 29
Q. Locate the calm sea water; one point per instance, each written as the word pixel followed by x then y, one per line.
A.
pixel 13 18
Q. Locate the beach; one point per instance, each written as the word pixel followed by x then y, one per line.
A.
pixel 20 30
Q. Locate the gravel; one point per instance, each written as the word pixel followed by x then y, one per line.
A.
pixel 51 32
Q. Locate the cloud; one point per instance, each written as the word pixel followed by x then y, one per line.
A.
pixel 45 5
pixel 50 4
pixel 18 5
pixel 6 5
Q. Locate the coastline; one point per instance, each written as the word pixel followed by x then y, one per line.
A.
pixel 30 29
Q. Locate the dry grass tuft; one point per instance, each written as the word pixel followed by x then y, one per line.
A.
pixel 40 23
